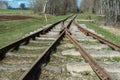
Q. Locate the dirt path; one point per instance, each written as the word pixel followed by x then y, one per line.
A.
pixel 15 17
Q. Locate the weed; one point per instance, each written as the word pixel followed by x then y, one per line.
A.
pixel 108 35
pixel 86 73
pixel 117 59
pixel 110 59
pixel 74 58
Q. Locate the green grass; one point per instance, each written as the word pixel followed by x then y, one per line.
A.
pixel 74 58
pixel 113 59
pixel 109 59
pixel 14 12
pixel 85 16
pixel 16 29
pixel 7 74
pixel 12 30
pixel 108 35
pixel 117 59
pixel 86 73
pixel 89 42
pixel 39 44
pixel 24 51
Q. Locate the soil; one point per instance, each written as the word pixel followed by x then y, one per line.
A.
pixel 14 17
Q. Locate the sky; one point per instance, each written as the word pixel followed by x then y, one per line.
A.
pixel 78 3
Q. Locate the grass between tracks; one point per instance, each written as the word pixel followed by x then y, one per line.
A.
pixel 109 59
pixel 107 34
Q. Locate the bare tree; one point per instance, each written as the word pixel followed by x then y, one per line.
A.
pixel 55 7
pixel 87 6
pixel 3 5
pixel 44 9
pixel 38 5
pixel 110 8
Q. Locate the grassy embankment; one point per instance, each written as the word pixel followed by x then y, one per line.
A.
pixel 107 34
pixel 14 12
pixel 13 30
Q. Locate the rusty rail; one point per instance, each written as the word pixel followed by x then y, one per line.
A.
pixel 96 68
pixel 88 33
pixel 15 45
pixel 34 72
pixel 68 26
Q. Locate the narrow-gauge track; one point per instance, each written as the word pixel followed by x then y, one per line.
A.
pixel 15 45
pixel 55 62
pixel 96 68
pixel 44 58
pixel 13 60
pixel 9 62
pixel 100 72
pixel 102 40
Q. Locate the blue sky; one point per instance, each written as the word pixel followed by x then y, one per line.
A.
pixel 78 3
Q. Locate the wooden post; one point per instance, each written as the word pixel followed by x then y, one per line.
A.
pixel 45 17
pixel 45 10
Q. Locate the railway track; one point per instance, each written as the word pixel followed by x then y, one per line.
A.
pixel 18 56
pixel 51 55
pixel 15 45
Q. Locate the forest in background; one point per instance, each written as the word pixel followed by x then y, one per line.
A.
pixel 109 8
pixel 55 7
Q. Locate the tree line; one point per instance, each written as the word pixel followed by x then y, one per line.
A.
pixel 55 7
pixel 109 8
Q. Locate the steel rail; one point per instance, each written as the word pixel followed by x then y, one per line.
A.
pixel 15 45
pixel 33 72
pixel 68 26
pixel 102 40
pixel 44 58
pixel 96 68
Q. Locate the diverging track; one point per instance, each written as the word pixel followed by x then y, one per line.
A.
pixel 26 50
pixel 51 55
pixel 15 45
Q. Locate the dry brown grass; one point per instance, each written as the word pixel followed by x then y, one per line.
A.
pixel 112 29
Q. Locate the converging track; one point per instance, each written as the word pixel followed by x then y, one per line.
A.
pixel 61 51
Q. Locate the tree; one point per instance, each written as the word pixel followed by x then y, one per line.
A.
pixel 110 8
pixel 87 6
pixel 38 6
pixel 112 11
pixel 3 5
pixel 56 7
